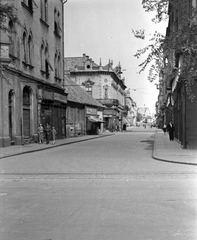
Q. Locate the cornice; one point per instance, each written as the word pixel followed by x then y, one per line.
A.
pixel 100 72
pixel 34 79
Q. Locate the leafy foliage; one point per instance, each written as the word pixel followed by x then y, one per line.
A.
pixel 6 11
pixel 180 42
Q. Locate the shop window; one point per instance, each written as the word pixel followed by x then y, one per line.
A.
pixel 26 112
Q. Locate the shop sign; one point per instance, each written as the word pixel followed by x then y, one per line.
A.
pixel 91 111
pixel 60 98
pixel 110 112
pixel 48 95
pixel 107 116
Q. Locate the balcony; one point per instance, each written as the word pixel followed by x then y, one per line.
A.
pixel 109 102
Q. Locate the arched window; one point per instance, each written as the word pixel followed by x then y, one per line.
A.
pixel 24 47
pixel 46 10
pixel 12 38
pixel 30 47
pixel 55 64
pixel 42 56
pixel 30 5
pixel 106 92
pixel 46 60
pixel 59 65
pixel 57 23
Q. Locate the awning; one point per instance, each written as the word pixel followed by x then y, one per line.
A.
pixel 94 119
pixel 125 121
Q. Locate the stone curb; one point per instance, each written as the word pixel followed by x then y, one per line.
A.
pixel 165 160
pixel 54 146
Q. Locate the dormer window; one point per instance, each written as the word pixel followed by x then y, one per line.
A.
pixel 88 86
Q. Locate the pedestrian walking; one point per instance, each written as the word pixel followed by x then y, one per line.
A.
pixel 124 127
pixel 40 133
pixel 164 128
pixel 54 132
pixel 171 131
pixel 47 133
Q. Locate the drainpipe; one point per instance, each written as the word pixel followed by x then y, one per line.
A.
pixel 184 118
pixel 63 2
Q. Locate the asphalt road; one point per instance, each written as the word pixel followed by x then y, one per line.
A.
pixel 104 189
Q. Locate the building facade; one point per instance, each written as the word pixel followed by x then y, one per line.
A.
pixel 84 115
pixel 175 101
pixel 104 83
pixel 131 113
pixel 32 85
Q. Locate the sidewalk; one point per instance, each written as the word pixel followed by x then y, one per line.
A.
pixel 171 151
pixel 33 147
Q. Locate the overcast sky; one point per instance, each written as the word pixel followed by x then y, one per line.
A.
pixel 103 29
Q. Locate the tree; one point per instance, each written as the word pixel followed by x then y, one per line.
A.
pixel 6 12
pixel 176 52
pixel 139 117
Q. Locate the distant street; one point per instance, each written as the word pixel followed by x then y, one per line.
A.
pixel 105 189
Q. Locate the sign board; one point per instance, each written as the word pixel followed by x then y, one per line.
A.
pixel 60 98
pixel 91 111
pixel 48 95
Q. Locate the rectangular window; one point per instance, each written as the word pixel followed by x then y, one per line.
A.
pixel 89 90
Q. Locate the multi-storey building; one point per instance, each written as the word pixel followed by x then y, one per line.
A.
pixel 104 83
pixel 32 85
pixel 131 113
pixel 178 79
pixel 83 113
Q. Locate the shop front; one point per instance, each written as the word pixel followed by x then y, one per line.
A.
pixel 52 110
pixel 93 121
pixel 111 119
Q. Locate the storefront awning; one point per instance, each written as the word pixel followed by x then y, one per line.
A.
pixel 125 121
pixel 94 119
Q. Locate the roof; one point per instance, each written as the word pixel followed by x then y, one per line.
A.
pixel 78 95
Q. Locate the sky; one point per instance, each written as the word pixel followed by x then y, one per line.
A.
pixel 102 29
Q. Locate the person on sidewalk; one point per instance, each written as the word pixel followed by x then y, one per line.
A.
pixel 40 133
pixel 47 132
pixel 164 128
pixel 171 131
pixel 54 132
